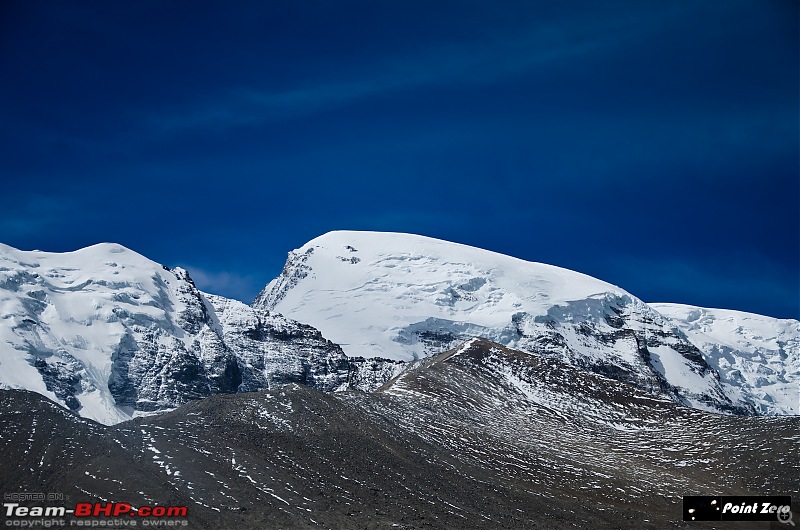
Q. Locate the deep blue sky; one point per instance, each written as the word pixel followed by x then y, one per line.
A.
pixel 653 145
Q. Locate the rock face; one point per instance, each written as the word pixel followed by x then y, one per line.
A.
pixel 407 297
pixel 111 334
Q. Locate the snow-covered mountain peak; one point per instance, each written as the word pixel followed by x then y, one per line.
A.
pixel 107 264
pixel 84 256
pixel 111 334
pixel 423 260
pixel 404 280
pixel 404 296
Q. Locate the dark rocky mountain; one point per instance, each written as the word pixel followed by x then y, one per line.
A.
pixel 479 437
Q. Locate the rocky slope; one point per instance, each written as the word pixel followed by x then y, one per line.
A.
pixel 112 335
pixel 479 437
pixel 405 297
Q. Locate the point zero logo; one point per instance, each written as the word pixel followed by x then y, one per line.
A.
pixel 737 508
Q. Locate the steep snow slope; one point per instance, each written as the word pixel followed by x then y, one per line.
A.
pixel 758 357
pixel 111 334
pixel 404 296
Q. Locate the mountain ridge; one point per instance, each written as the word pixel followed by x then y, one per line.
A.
pixel 423 295
pixel 116 335
pixel 108 332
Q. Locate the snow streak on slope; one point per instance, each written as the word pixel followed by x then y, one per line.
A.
pixel 758 357
pixel 403 296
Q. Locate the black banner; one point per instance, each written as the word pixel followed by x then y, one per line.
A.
pixel 737 508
